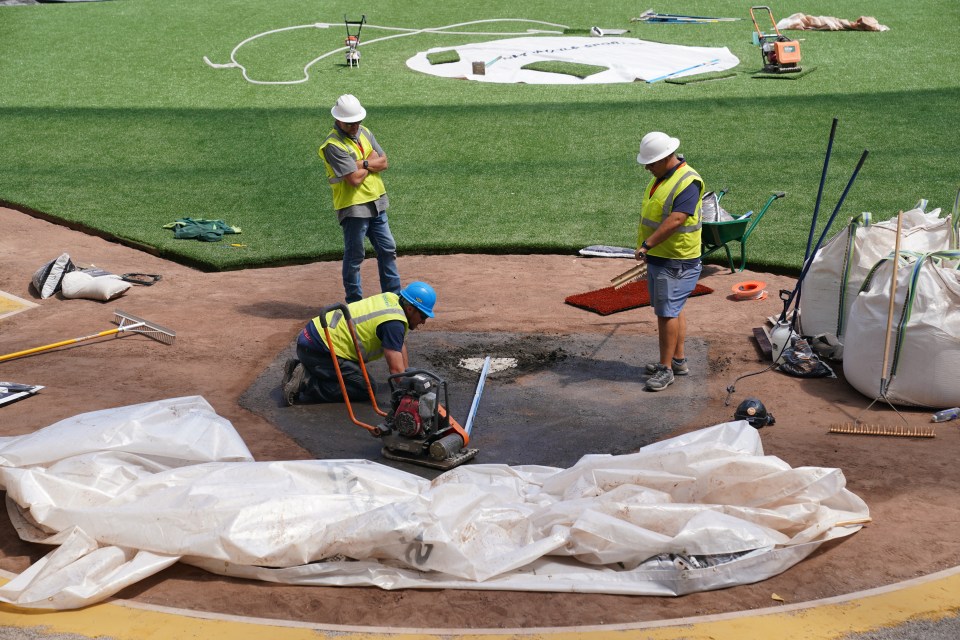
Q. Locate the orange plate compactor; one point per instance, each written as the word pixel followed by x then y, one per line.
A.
pixel 417 428
pixel 780 53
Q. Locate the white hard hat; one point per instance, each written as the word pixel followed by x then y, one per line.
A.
pixel 656 145
pixel 348 109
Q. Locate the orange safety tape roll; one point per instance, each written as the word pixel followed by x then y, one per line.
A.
pixel 750 290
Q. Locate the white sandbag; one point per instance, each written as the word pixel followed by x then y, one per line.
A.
pixel 840 266
pixel 126 492
pixel 924 355
pixel 78 284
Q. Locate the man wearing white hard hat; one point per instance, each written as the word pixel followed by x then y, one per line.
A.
pixel 669 242
pixel 354 161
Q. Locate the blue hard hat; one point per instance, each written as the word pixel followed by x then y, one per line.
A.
pixel 421 295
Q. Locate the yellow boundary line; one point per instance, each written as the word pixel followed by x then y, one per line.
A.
pixel 928 598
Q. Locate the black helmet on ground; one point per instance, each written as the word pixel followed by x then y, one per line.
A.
pixel 753 411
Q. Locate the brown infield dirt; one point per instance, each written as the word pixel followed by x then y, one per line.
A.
pixel 232 326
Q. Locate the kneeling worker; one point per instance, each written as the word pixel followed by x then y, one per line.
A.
pixel 381 322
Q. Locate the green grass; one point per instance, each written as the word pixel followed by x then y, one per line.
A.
pixel 443 57
pixel 110 119
pixel 703 77
pixel 567 68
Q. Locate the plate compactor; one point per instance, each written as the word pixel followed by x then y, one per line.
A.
pixel 353 40
pixel 417 428
pixel 780 53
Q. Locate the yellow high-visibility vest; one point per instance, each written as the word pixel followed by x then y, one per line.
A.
pixel 367 315
pixel 684 243
pixel 344 193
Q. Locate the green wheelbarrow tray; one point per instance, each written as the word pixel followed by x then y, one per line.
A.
pixel 720 235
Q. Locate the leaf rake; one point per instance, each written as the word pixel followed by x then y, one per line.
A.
pixel 858 427
pixel 126 322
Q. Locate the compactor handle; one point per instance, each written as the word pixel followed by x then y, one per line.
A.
pixel 336 363
pixel 339 306
pixel 757 26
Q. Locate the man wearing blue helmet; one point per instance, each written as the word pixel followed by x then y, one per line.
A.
pixel 381 324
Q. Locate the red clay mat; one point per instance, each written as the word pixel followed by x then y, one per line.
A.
pixel 629 296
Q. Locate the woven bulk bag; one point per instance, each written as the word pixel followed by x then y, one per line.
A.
pixel 924 354
pixel 840 266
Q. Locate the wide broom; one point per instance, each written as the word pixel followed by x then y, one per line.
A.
pixel 127 324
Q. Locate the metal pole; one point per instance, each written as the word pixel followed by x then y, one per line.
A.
pixel 823 235
pixel 476 396
pixel 813 223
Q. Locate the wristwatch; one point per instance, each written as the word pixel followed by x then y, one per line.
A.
pixel 366 165
pixel 645 245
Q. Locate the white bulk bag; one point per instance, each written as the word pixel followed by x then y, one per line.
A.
pixel 840 266
pixel 924 354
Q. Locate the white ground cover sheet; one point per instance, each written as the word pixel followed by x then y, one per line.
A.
pixel 126 492
pixel 625 59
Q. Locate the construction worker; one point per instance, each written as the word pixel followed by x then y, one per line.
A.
pixel 354 161
pixel 669 242
pixel 381 324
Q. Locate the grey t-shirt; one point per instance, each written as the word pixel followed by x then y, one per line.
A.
pixel 344 164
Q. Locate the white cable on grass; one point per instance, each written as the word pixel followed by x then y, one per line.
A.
pixel 233 64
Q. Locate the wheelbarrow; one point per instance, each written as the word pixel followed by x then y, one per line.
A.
pixel 720 235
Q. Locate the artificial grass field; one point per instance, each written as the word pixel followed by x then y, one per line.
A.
pixel 111 120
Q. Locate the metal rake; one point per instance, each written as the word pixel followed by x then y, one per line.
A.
pixel 127 323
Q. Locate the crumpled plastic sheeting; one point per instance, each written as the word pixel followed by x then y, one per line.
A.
pixel 804 22
pixel 126 492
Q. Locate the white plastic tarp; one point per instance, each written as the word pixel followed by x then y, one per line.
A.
pixel 126 492
pixel 923 363
pixel 624 60
pixel 840 266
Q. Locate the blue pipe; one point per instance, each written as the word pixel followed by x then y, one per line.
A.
pixel 823 235
pixel 468 426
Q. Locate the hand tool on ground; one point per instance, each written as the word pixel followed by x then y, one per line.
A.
pixel 880 429
pixel 629 275
pixel 676 18
pixel 883 430
pixel 417 428
pixel 780 53
pixel 128 324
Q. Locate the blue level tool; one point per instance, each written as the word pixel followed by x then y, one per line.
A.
pixel 675 18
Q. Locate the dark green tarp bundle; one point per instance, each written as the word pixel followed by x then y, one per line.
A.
pixel 200 229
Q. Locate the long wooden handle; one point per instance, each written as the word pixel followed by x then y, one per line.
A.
pixel 893 295
pixel 63 343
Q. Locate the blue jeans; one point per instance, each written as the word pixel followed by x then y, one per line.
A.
pixel 378 230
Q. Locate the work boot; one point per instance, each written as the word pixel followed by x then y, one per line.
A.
pixel 661 379
pixel 679 367
pixel 293 377
pixel 288 368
